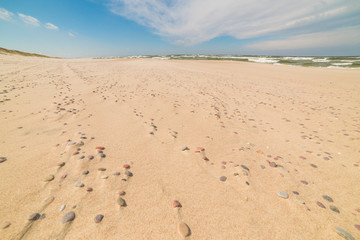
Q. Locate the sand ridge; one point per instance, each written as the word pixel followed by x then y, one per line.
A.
pixel 249 151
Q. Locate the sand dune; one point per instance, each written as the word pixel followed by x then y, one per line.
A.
pixel 249 151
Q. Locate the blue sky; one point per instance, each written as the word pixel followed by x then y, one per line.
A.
pixel 96 28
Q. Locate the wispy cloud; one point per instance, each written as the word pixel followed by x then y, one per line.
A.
pixel 51 26
pixel 29 19
pixel 344 36
pixel 71 34
pixel 189 22
pixel 5 14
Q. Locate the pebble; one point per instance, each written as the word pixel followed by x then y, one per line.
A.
pixel 304 182
pixel 344 234
pixel 176 204
pixel 126 166
pixel 2 159
pixel 49 200
pixel 357 226
pixel 335 209
pixel 272 164
pixel 183 229
pixel 85 172
pixel 49 178
pixel 68 217
pixel 104 177
pixel 116 173
pixel 320 204
pixel 184 148
pixel 42 216
pixel 327 198
pixel 295 192
pixel 313 165
pixel 81 157
pixel 61 164
pixel 100 148
pixel 262 166
pixel 101 169
pixel 223 178
pixel 89 189
pixel 128 173
pixel 90 157
pixel 121 202
pixel 245 167
pixel 62 208
pixel 245 172
pixel 34 217
pixel 5 224
pixel 236 174
pixel 79 184
pixel 299 200
pixel 102 155
pixel 283 195
pixel 98 218
pixel 199 149
pixel 71 143
pixel 122 193
pixel 63 176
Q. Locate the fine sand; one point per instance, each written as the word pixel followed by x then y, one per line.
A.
pixel 249 151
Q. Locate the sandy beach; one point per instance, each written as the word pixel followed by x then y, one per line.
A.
pixel 172 149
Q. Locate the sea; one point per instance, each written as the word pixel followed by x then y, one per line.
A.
pixel 326 62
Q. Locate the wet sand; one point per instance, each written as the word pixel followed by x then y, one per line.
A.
pixel 246 150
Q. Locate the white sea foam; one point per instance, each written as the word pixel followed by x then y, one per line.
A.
pixel 321 60
pixel 342 64
pixel 263 60
pixel 298 58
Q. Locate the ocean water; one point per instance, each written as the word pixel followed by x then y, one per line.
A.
pixel 328 62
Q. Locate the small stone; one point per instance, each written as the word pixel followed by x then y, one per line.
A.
pixel 122 193
pixel 102 155
pixel 5 224
pixel 90 157
pixel 128 173
pixel 62 208
pixel 126 166
pixel 49 178
pixel 104 177
pixel 245 167
pixel 42 216
pixel 176 204
pixel 295 192
pixel 49 200
pixel 116 173
pixel 262 166
pixel 304 182
pixel 98 218
pixel 223 178
pixel 100 148
pixel 63 176
pixel 68 217
pixel 299 200
pixel 245 173
pixel 81 157
pixel 313 165
pixel 247 183
pixel 283 195
pixel 85 172
pixel 357 226
pixel 61 164
pixel 335 209
pixel 344 234
pixel 236 174
pixel 272 164
pixel 184 148
pixel 121 202
pixel 327 198
pixel 101 169
pixel 320 204
pixel 34 217
pixel 71 143
pixel 79 184
pixel 199 149
pixel 183 229
pixel 89 189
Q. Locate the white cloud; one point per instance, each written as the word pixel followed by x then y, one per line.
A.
pixel 339 37
pixel 71 34
pixel 51 26
pixel 5 14
pixel 29 20
pixel 188 22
